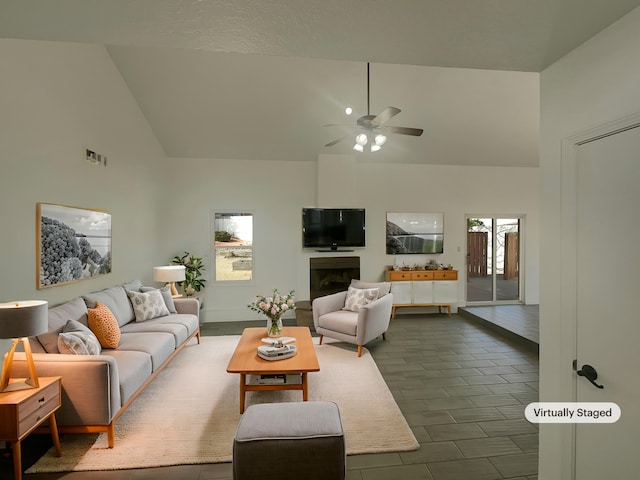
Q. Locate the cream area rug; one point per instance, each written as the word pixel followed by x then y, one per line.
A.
pixel 189 413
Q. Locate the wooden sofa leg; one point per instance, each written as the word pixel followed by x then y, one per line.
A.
pixel 321 337
pixel 111 435
pixel 384 336
pixel 359 350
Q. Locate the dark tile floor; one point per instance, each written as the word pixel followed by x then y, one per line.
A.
pixel 462 388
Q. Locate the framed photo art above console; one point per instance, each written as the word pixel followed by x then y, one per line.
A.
pixel 72 244
pixel 415 233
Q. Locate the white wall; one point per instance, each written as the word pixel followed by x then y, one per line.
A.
pixel 55 99
pixel 276 192
pixel 594 84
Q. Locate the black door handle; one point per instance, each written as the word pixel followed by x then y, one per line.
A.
pixel 590 374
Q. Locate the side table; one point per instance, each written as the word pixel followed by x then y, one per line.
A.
pixel 22 411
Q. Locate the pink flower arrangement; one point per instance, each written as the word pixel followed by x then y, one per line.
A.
pixel 274 306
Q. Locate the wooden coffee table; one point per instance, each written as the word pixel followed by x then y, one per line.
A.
pixel 245 361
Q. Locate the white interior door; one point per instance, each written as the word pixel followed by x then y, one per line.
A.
pixel 607 295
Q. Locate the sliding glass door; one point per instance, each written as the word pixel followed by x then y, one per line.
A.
pixel 494 269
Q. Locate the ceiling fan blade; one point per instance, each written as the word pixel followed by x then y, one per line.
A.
pixel 386 115
pixel 350 127
pixel 416 132
pixel 337 140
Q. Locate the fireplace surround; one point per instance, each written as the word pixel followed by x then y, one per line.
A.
pixel 329 275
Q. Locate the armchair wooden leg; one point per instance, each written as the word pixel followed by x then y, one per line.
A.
pixel 384 336
pixel 359 350
pixel 321 337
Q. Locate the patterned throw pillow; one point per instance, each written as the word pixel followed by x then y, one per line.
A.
pixel 166 295
pixel 104 325
pixel 359 297
pixel 76 339
pixel 148 305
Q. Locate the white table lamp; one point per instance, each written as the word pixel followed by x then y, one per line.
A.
pixel 170 274
pixel 19 321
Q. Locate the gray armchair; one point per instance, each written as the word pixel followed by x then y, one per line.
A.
pixel 357 327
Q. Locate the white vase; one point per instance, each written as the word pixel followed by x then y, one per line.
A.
pixel 274 327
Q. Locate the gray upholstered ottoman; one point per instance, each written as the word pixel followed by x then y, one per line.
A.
pixel 290 441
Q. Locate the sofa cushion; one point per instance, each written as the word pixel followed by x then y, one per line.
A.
pixel 148 305
pixel 179 325
pixel 359 297
pixel 76 339
pixel 134 368
pixel 166 296
pixel 133 285
pixel 104 325
pixel 158 345
pixel 383 287
pixel 115 298
pixel 74 309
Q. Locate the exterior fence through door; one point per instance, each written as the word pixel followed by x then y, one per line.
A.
pixel 477 245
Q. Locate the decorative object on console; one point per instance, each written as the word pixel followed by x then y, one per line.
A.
pixel 18 321
pixel 274 307
pixel 415 233
pixel 72 244
pixel 170 274
pixel 194 266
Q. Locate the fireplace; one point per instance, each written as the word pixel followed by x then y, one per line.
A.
pixel 329 275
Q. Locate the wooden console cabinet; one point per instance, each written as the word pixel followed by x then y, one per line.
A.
pixel 423 288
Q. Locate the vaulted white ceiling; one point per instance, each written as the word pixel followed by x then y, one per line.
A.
pixel 256 79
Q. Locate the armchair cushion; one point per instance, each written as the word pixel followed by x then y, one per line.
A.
pixel 343 321
pixel 359 297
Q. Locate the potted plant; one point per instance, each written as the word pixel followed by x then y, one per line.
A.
pixel 194 266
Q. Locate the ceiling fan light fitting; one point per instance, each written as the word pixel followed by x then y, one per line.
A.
pixel 358 148
pixel 362 139
pixel 375 148
pixel 380 140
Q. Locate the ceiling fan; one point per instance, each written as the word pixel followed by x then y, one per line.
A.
pixel 373 129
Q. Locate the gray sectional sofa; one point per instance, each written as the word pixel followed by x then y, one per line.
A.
pixel 97 389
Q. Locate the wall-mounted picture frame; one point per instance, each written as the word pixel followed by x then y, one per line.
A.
pixel 72 244
pixel 415 233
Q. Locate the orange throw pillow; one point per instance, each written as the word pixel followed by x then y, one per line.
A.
pixel 104 325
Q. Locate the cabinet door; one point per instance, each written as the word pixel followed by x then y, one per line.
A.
pixel 423 292
pixel 401 292
pixel 445 291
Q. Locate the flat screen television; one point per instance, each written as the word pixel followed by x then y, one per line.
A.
pixel 333 227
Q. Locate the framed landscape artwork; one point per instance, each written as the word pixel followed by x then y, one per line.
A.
pixel 72 244
pixel 415 233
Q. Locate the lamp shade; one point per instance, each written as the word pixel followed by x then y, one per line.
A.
pixel 23 318
pixel 169 273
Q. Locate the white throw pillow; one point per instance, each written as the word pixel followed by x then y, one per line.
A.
pixel 76 339
pixel 148 305
pixel 359 297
